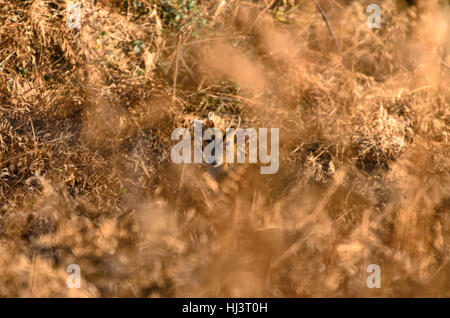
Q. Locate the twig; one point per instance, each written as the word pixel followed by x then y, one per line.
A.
pixel 6 59
pixel 260 15
pixel 330 29
pixel 420 89
pixel 175 75
pixel 447 67
pixel 32 129
pixel 210 39
pixel 234 97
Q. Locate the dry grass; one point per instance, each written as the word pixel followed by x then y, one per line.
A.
pixel 85 169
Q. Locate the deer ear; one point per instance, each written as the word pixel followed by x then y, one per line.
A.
pixel 239 123
pixel 236 126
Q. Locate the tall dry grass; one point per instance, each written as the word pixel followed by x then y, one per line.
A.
pixel 86 176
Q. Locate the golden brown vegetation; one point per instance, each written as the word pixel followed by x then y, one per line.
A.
pixel 85 170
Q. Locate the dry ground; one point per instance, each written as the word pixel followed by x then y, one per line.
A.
pixel 85 170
